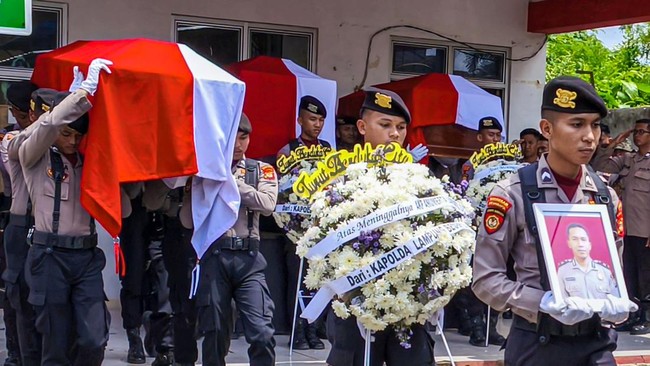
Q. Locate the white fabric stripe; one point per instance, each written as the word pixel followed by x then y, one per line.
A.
pixel 308 83
pixel 496 169
pixel 218 103
pixel 475 103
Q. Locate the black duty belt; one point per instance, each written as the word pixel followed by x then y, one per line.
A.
pixel 237 243
pixel 64 241
pixel 21 220
pixel 553 327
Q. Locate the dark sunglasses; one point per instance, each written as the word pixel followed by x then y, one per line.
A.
pixel 640 132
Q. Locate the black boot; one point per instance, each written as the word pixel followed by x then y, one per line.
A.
pixel 633 319
pixel 164 359
pixel 136 351
pixel 299 340
pixel 321 332
pixel 149 342
pixel 477 337
pixel 312 338
pixel 495 338
pixel 464 322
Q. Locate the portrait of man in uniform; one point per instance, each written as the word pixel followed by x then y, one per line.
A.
pixel 580 251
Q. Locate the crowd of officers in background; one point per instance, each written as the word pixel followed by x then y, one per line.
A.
pixel 53 281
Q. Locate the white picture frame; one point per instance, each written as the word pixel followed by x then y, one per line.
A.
pixel 575 268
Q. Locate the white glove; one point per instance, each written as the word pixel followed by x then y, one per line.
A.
pixel 572 311
pixel 616 310
pixel 92 80
pixel 418 152
pixel 77 79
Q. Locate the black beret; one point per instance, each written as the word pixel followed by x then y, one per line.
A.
pixel 20 93
pixel 245 124
pixel 568 94
pixel 81 124
pixel 489 123
pixel 529 131
pixel 313 105
pixel 340 121
pixel 387 102
pixel 43 99
pixel 605 129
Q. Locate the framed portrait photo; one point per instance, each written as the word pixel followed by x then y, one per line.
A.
pixel 580 252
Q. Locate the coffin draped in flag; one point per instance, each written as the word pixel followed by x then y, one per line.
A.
pixel 274 87
pixel 164 111
pixel 450 103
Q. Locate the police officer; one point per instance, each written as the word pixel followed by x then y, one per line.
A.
pixel 347 134
pixel 383 119
pixel 64 265
pixel 528 140
pixel 633 169
pixel 20 220
pixel 489 132
pixel 542 146
pixel 311 118
pixel 581 275
pixel 233 268
pixel 545 331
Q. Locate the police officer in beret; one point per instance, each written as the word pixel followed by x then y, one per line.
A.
pixel 64 265
pixel 383 119
pixel 633 169
pixel 311 118
pixel 545 331
pixel 233 267
pixel 347 134
pixel 582 275
pixel 489 132
pixel 35 103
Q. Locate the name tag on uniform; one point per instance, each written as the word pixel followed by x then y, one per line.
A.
pixel 569 278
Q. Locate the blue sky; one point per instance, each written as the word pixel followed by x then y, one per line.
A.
pixel 610 36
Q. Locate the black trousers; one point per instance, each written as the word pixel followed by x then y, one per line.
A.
pixel 180 259
pixel 636 269
pixel 524 348
pixel 16 248
pixel 227 275
pixel 348 345
pixel 67 292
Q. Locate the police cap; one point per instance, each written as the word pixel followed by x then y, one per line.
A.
pixel 489 123
pixel 387 102
pixel 43 99
pixel 245 124
pixel 81 124
pixel 20 93
pixel 568 94
pixel 313 105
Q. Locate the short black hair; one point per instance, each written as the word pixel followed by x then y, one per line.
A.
pixel 575 226
pixel 529 131
pixel 644 120
pixel 605 129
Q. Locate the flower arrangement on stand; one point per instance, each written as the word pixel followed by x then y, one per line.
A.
pixel 293 213
pixel 392 242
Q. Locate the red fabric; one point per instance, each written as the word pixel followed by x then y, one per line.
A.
pixel 270 103
pixel 141 125
pixel 568 185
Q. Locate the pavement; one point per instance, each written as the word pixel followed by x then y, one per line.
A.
pixel 632 350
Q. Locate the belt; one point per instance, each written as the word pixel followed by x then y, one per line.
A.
pixel 21 220
pixel 237 243
pixel 64 241
pixel 553 327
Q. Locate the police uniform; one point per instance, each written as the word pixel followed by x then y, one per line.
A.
pixel 633 171
pixel 233 268
pixel 15 238
pixel 64 265
pixel 536 338
pixel 347 343
pixel 315 106
pixel 595 281
pixel 485 123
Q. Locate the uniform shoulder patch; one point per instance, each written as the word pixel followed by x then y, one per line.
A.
pixel 268 173
pixel 495 213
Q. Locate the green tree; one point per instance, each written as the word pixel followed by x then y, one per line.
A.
pixel 621 76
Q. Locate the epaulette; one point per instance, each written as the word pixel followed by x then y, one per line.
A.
pixel 566 261
pixel 596 261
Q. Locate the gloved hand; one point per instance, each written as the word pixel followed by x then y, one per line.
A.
pixel 77 79
pixel 616 310
pixel 92 80
pixel 573 310
pixel 418 152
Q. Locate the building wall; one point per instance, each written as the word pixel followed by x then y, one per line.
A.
pixel 343 28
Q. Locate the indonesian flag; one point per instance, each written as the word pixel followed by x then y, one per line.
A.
pixel 164 112
pixel 274 87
